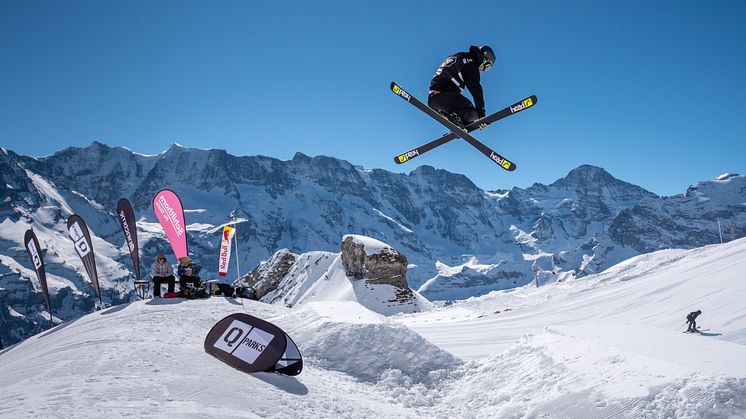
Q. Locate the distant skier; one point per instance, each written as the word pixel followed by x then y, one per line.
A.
pixel 691 318
pixel 458 71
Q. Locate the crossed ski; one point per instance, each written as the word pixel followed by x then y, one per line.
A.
pixel 456 131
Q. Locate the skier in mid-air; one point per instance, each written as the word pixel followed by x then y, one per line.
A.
pixel 691 319
pixel 459 71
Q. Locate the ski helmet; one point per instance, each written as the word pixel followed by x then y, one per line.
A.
pixel 488 56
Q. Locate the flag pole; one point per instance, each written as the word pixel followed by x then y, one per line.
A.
pixel 235 241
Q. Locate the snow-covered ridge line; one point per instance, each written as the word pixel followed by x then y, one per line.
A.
pixel 576 226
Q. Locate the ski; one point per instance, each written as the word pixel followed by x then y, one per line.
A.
pixel 502 113
pixel 491 154
pixel 696 330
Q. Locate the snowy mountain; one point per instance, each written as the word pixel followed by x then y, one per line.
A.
pixel 707 212
pixel 366 271
pixel 460 241
pixel 607 345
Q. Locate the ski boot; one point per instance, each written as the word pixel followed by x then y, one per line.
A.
pixel 455 119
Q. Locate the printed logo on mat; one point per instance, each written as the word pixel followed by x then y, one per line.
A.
pixel 248 344
pixel 244 341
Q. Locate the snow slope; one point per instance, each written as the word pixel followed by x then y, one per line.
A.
pixel 609 345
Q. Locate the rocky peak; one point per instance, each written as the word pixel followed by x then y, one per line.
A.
pixel 586 174
pixel 589 180
pixel 446 181
pixel 269 273
pixel 374 261
pixel 726 188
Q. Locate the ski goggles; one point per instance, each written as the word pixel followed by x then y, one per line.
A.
pixel 486 65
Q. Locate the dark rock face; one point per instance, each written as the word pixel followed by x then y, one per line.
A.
pixel 268 274
pixel 385 267
pixel 291 279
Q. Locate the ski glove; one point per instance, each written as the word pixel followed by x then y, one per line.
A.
pixel 483 125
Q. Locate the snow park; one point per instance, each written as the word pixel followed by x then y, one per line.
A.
pixel 356 210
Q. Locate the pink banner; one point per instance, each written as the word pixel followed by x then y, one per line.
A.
pixel 168 209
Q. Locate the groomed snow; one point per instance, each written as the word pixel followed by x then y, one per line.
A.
pixel 609 345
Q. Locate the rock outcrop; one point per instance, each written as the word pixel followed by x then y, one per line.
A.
pixel 269 273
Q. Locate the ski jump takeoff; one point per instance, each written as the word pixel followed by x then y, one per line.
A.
pixel 448 106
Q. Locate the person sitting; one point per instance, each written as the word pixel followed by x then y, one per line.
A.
pixel 162 272
pixel 188 274
pixel 691 318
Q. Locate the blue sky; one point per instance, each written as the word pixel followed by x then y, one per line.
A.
pixel 652 91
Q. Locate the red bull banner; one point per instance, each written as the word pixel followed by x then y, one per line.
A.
pixel 170 213
pixel 225 250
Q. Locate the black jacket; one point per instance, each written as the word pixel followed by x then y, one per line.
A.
pixel 458 71
pixel 692 316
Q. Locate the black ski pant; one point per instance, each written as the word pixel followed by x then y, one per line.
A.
pixel 692 326
pixel 453 102
pixel 158 280
pixel 183 280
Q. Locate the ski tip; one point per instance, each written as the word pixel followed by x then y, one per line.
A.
pixel 400 92
pixel 508 165
pixel 403 158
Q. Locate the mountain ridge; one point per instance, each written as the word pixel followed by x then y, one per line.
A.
pixel 579 224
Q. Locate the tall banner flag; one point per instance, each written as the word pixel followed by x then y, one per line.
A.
pixel 253 345
pixel 126 217
pixel 225 250
pixel 170 213
pixel 82 240
pixel 31 243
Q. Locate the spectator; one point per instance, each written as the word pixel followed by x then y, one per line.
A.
pixel 162 272
pixel 188 273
